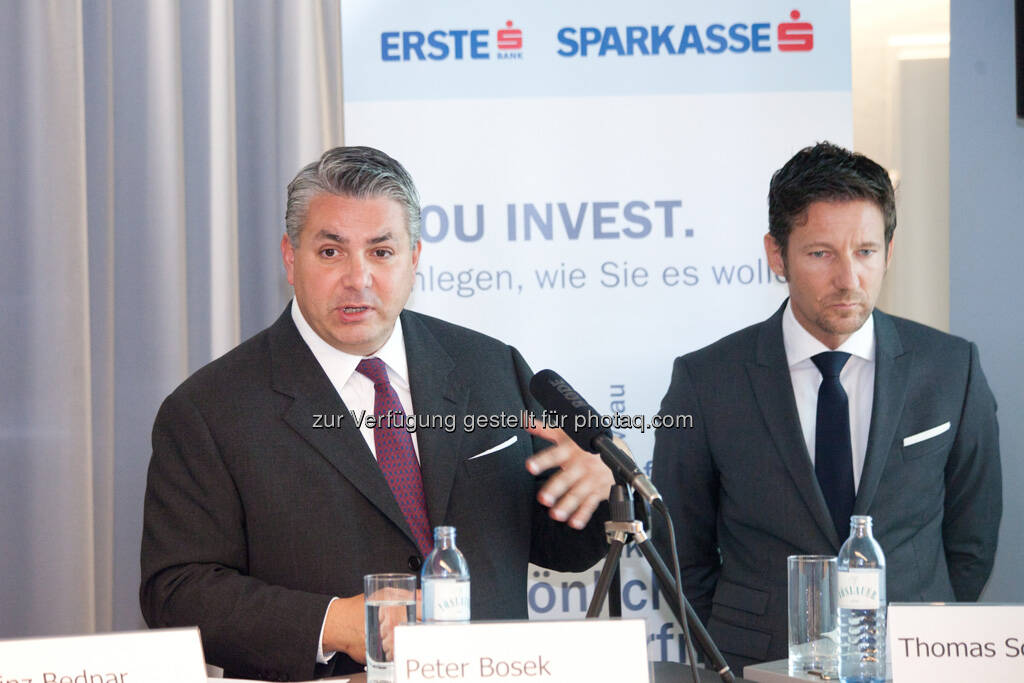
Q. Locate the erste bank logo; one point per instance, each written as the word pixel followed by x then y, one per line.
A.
pixel 458 43
pixel 670 39
pixel 510 38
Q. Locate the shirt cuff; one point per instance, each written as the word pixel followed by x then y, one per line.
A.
pixel 321 656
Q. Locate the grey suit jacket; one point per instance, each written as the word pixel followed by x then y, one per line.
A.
pixel 743 494
pixel 255 517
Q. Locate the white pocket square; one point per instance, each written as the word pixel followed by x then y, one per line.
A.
pixel 926 434
pixel 509 442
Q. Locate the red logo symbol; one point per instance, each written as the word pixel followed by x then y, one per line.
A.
pixel 797 36
pixel 512 38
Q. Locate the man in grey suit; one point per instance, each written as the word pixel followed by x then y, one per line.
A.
pixel 267 500
pixel 772 468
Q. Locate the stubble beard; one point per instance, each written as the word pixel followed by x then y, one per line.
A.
pixel 838 324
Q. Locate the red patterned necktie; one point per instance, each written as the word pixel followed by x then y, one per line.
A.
pixel 395 454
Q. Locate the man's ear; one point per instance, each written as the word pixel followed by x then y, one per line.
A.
pixel 416 254
pixel 888 252
pixel 288 256
pixel 773 251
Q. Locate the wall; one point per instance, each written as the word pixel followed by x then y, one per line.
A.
pixel 986 153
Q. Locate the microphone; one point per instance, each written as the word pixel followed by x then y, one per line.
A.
pixel 555 395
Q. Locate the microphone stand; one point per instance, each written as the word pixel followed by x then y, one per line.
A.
pixel 623 528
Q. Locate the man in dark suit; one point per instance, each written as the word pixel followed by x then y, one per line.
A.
pixel 780 456
pixel 267 500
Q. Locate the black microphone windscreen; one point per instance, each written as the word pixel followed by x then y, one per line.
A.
pixel 581 422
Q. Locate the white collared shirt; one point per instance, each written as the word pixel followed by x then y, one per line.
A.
pixel 355 388
pixel 857 378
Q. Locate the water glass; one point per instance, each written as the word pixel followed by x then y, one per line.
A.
pixel 390 601
pixel 813 615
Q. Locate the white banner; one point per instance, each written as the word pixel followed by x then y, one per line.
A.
pixel 594 179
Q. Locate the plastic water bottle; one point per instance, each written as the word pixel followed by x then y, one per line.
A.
pixel 861 565
pixel 445 580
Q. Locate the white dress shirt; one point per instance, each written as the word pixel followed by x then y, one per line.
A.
pixel 857 378
pixel 356 390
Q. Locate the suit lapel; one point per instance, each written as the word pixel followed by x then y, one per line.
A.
pixel 773 389
pixel 296 373
pixel 435 392
pixel 892 368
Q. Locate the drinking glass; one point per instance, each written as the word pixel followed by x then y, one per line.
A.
pixel 390 601
pixel 813 615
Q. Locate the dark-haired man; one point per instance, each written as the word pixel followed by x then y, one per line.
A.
pixel 830 408
pixel 267 502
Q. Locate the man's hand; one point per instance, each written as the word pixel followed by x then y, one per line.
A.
pixel 345 628
pixel 574 493
pixel 393 616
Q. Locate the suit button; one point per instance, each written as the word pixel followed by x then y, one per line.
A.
pixel 415 562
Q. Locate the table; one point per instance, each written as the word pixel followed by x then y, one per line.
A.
pixel 673 672
pixel 661 672
pixel 775 672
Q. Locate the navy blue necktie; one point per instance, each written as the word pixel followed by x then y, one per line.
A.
pixel 833 455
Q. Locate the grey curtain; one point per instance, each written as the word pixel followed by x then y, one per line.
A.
pixel 145 146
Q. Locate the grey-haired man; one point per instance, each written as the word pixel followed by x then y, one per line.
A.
pixel 265 503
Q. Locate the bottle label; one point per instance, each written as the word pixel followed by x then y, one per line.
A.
pixel 446 600
pixel 860 588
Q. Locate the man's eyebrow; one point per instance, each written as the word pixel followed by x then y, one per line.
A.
pixel 386 237
pixel 324 235
pixel 341 239
pixel 828 245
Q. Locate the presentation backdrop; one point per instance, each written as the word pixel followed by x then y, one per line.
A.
pixel 594 179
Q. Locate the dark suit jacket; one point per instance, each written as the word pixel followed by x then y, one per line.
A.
pixel 254 518
pixel 743 494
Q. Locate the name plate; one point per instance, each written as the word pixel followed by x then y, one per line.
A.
pixel 551 651
pixel 952 643
pixel 160 656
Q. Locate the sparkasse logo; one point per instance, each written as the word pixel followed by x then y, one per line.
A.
pixel 797 36
pixel 670 39
pixel 457 44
